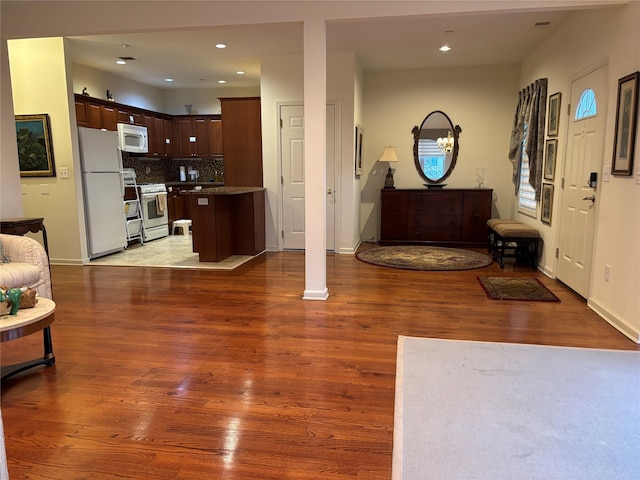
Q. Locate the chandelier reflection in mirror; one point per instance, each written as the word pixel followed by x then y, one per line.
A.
pixel 446 144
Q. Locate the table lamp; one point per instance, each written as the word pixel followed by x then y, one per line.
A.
pixel 389 155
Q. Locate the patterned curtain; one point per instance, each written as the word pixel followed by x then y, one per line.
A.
pixel 530 114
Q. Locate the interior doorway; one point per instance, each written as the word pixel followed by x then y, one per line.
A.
pixel 293 180
pixel 585 147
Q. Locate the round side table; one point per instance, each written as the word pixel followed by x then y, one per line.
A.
pixel 26 322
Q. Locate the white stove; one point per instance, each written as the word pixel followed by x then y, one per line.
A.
pixel 152 187
pixel 153 204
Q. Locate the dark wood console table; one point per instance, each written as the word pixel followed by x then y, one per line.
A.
pixel 455 217
pixel 227 221
pixel 20 226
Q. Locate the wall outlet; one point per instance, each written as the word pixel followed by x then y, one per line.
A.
pixel 607 271
pixel 63 172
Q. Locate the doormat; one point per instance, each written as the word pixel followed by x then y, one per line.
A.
pixel 516 288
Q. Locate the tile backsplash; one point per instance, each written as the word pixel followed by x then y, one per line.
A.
pixel 152 170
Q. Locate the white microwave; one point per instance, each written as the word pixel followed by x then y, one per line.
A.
pixel 132 138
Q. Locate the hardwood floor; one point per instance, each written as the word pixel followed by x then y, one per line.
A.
pixel 194 374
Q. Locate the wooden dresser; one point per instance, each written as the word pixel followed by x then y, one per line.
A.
pixel 454 217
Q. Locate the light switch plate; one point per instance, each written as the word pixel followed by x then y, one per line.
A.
pixel 606 173
pixel 638 176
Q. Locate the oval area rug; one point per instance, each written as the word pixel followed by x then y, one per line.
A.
pixel 420 257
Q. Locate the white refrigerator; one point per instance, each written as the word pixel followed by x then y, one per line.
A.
pixel 103 191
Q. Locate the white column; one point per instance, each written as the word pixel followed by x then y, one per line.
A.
pixel 315 159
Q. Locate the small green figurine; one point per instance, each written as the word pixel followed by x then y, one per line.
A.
pixel 12 296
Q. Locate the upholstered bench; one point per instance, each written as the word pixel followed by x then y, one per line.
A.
pixel 514 239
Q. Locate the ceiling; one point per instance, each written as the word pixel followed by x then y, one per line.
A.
pixel 191 59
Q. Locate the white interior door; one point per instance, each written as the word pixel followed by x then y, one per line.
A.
pixel 585 146
pixel 293 201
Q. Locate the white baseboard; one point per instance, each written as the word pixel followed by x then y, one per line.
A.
pixel 66 261
pixel 618 323
pixel 316 294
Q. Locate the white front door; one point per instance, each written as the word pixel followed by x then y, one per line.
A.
pixel 293 204
pixel 585 147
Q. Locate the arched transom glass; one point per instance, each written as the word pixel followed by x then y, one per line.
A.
pixel 586 105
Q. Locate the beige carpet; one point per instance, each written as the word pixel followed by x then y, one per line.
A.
pixel 498 411
pixel 174 251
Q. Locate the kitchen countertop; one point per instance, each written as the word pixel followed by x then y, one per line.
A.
pixel 226 190
pixel 190 185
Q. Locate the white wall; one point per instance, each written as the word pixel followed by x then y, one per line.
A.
pixel 123 90
pixel 481 100
pixel 204 101
pixel 53 198
pixel 10 197
pixel 282 83
pixel 585 40
pixel 164 100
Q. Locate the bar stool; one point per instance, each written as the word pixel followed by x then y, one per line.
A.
pixel 183 225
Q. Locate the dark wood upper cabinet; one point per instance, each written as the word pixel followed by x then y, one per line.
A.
pixel 193 136
pixel 94 118
pixel 169 136
pixel 242 141
pixel 215 136
pixel 81 114
pixel 109 117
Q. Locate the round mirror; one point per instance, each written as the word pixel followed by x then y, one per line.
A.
pixel 435 147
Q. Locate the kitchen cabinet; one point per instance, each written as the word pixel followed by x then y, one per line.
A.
pixel 227 221
pixel 215 136
pixel 177 207
pixel 192 136
pixel 242 141
pixel 126 115
pixel 101 116
pixel 82 119
pixel 449 217
pixel 167 137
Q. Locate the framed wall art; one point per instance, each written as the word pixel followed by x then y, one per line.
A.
pixel 554 114
pixel 358 153
pixel 35 151
pixel 550 153
pixel 626 121
pixel 547 203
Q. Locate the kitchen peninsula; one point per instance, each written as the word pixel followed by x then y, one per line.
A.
pixel 227 221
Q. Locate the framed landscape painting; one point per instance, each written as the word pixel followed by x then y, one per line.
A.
pixel 35 152
pixel 550 153
pixel 547 203
pixel 554 114
pixel 626 120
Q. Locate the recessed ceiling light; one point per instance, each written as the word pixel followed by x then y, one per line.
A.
pixel 168 79
pixel 121 62
pixel 240 72
pixel 125 45
pixel 221 45
pixel 445 48
pixel 222 81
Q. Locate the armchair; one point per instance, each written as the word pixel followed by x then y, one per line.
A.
pixel 28 264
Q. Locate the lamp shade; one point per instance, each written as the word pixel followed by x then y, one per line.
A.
pixel 389 155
